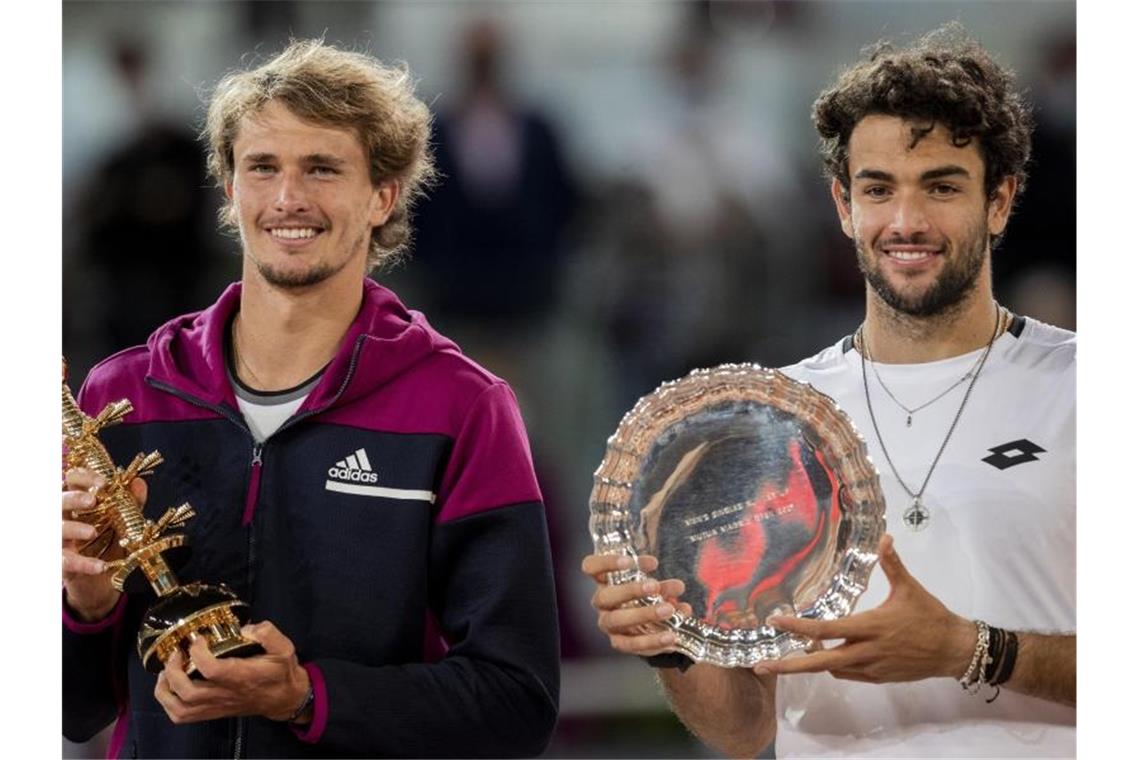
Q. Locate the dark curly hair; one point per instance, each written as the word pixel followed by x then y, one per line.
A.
pixel 945 78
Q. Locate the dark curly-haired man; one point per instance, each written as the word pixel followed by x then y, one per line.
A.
pixel 968 411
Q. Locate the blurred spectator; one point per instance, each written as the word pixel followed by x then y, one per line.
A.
pixel 687 233
pixel 490 238
pixel 144 221
pixel 1035 267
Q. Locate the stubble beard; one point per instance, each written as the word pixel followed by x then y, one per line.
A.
pixel 958 278
pixel 293 280
pixel 314 275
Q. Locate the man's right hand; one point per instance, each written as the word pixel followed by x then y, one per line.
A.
pixel 730 709
pixel 89 591
pixel 632 628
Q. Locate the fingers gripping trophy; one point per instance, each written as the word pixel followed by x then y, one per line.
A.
pixel 128 542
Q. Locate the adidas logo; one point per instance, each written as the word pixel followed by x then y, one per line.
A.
pixel 350 475
pixel 354 468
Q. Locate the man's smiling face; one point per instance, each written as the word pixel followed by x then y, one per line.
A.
pixel 918 214
pixel 303 198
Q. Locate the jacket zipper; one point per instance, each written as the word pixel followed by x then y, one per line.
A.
pixel 254 488
pixel 237 741
pixel 251 498
pixel 250 555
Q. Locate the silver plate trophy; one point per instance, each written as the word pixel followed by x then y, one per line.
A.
pixel 757 492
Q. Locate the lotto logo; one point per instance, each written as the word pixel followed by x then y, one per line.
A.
pixel 1013 453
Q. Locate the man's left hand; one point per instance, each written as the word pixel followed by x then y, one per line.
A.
pixel 272 685
pixel 908 637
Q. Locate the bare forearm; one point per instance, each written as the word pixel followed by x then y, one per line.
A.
pixel 1046 667
pixel 731 710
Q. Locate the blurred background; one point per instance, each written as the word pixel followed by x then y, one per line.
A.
pixel 631 190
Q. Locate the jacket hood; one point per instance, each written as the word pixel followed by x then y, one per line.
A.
pixel 384 340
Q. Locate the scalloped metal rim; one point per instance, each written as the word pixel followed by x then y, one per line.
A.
pixel 611 522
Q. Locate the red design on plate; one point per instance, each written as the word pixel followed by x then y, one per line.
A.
pixel 732 567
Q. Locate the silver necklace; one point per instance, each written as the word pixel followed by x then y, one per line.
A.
pixel 240 358
pixel 917 516
pixel 910 412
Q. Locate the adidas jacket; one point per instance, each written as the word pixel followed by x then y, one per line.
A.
pixel 392 528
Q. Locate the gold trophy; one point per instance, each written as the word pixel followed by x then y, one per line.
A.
pixel 128 542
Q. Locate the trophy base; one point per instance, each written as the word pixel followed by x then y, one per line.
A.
pixel 195 610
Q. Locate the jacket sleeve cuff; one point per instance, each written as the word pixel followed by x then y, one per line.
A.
pixel 311 734
pixel 75 625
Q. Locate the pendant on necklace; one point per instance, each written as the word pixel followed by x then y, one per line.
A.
pixel 918 516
